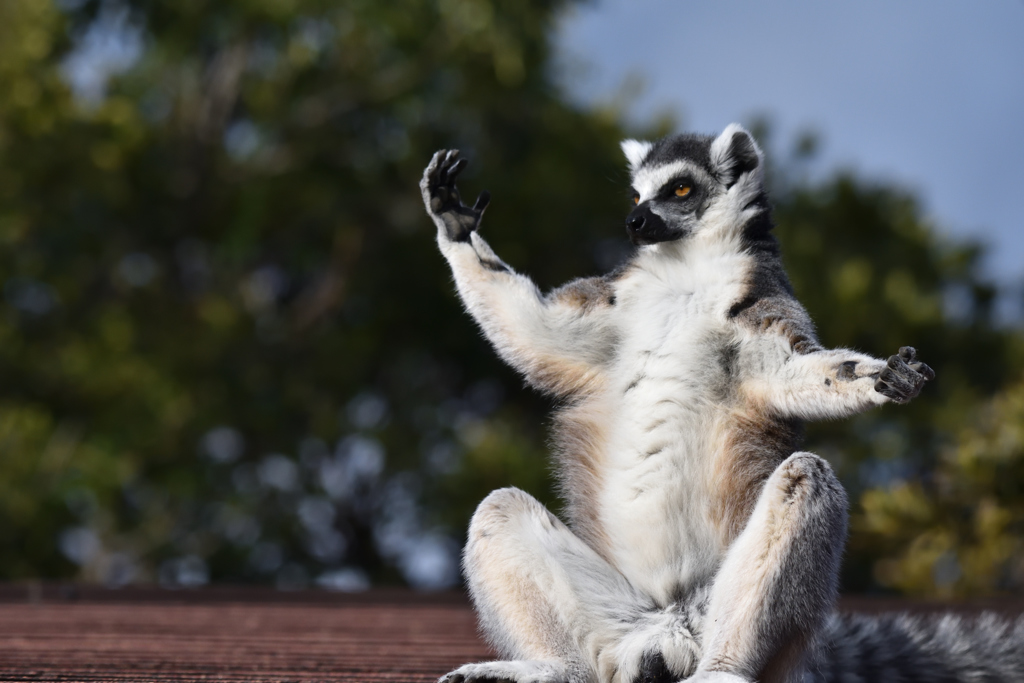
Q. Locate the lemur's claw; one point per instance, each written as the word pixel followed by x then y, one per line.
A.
pixel 924 370
pixel 904 376
pixel 909 355
pixel 442 197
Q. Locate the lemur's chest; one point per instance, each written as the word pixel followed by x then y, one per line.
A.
pixel 679 346
pixel 673 388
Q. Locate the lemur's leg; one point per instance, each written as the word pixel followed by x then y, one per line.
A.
pixel 556 341
pixel 838 383
pixel 777 583
pixel 552 605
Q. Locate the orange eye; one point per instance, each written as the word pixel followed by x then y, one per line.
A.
pixel 682 190
pixel 636 199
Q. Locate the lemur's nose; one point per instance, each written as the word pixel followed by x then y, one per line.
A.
pixel 635 223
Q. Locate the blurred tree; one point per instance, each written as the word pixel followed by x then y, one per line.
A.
pixel 961 530
pixel 228 348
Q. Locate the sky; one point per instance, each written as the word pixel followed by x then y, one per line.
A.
pixel 929 94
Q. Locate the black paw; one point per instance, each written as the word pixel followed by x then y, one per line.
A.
pixel 442 197
pixel 903 376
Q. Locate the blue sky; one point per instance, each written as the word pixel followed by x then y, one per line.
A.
pixel 927 93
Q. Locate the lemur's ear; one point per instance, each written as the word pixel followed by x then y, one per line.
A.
pixel 734 153
pixel 635 151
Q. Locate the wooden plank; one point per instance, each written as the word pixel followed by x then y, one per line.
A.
pixel 124 638
pixel 58 632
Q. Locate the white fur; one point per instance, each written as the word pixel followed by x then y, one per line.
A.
pixel 715 677
pixel 520 671
pixel 635 151
pixel 666 310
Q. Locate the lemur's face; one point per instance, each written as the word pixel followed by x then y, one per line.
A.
pixel 676 179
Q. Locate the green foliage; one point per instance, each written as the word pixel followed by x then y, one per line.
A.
pixel 960 531
pixel 229 349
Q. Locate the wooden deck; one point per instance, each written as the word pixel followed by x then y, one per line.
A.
pixel 232 635
pixel 55 633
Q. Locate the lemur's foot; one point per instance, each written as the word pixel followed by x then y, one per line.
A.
pixel 660 647
pixel 507 672
pixel 903 376
pixel 442 197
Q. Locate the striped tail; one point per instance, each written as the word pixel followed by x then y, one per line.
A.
pixel 901 648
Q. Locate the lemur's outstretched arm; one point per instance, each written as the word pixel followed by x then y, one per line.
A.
pixel 560 341
pixel 836 383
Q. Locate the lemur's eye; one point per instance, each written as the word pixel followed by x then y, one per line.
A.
pixel 636 199
pixel 682 190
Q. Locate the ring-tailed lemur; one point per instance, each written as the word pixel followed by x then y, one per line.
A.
pixel 699 544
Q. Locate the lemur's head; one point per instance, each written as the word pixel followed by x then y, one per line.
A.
pixel 679 181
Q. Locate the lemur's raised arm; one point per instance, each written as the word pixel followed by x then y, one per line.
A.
pixel 560 341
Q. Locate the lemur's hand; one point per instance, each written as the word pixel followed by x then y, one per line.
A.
pixel 903 376
pixel 456 220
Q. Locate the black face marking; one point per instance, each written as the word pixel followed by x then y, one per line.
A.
pixel 679 209
pixel 828 382
pixel 694 148
pixel 646 227
pixel 668 190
